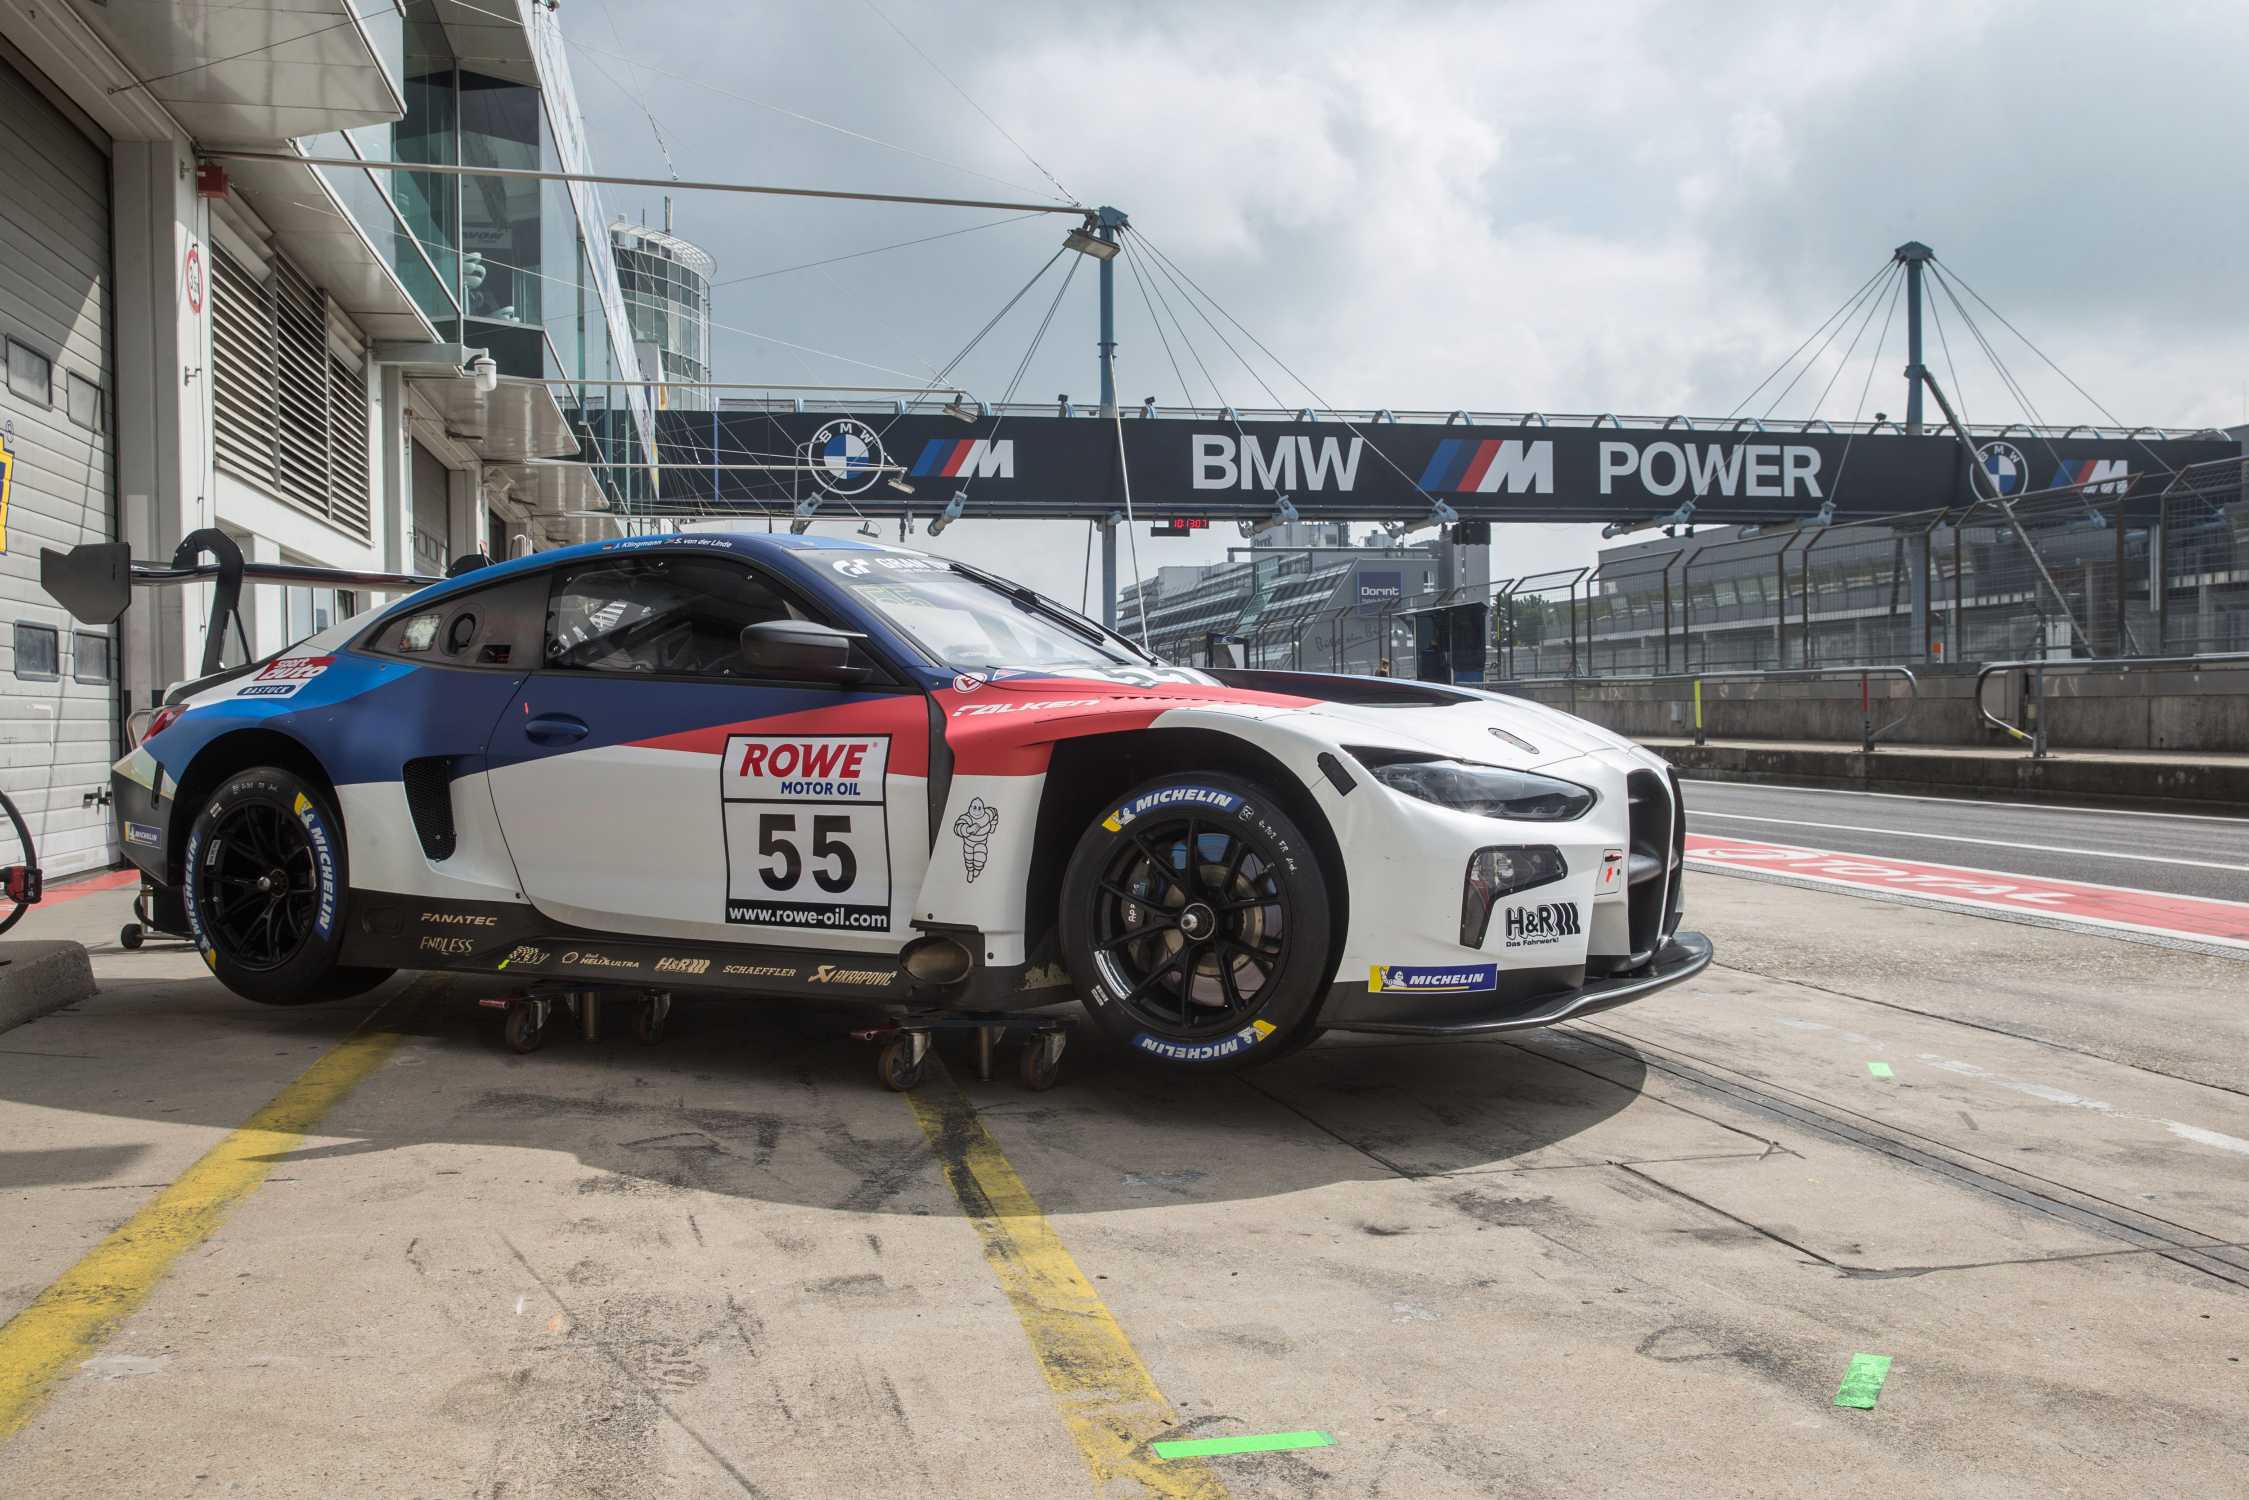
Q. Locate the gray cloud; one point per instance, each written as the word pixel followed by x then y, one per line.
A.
pixel 1529 206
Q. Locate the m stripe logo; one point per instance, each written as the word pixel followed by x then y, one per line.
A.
pixel 966 458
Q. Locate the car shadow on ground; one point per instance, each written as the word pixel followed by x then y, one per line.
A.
pixel 777 1103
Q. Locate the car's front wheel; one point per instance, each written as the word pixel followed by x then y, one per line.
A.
pixel 1195 922
pixel 264 885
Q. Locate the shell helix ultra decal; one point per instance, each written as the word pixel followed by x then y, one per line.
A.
pixel 324 863
pixel 1419 980
pixel 1170 796
pixel 1211 1051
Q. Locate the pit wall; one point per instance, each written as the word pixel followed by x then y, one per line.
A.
pixel 2160 708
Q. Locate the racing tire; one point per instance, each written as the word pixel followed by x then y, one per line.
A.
pixel 1194 922
pixel 264 884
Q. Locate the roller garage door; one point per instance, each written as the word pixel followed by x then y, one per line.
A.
pixel 58 690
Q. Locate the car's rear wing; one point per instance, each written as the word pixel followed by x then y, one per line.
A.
pixel 95 581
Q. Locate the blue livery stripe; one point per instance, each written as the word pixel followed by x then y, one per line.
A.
pixel 1445 464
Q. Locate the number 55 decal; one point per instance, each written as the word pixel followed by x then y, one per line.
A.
pixel 807 831
pixel 831 840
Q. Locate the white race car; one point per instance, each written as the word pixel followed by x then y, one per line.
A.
pixel 812 769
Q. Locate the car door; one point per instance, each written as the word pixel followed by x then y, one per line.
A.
pixel 651 783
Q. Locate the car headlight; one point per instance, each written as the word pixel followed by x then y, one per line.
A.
pixel 1492 791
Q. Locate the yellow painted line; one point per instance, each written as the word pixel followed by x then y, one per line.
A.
pixel 1109 1400
pixel 70 1319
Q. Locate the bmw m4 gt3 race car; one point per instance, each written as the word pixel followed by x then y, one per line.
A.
pixel 812 769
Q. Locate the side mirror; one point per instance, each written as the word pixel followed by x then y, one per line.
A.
pixel 800 648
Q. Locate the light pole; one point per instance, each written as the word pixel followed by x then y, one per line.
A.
pixel 1099 239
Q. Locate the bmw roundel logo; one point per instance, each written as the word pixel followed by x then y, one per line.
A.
pixel 846 456
pixel 2009 471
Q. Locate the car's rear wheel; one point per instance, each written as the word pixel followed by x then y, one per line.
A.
pixel 1195 922
pixel 264 885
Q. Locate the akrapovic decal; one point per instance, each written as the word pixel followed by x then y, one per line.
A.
pixel 324 863
pixel 281 679
pixel 1421 980
pixel 807 831
pixel 1201 797
pixel 1211 1051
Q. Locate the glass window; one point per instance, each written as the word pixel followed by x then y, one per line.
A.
pixel 500 126
pixel 38 652
pixel 84 401
pixel 89 657
pixel 677 615
pixel 31 375
pixel 965 623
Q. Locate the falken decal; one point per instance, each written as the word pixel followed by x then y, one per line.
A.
pixel 282 678
pixel 1171 796
pixel 1212 1051
pixel 1422 980
pixel 975 827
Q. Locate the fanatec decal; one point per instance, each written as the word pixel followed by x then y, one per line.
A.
pixel 975 829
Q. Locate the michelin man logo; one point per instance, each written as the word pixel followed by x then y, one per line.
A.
pixel 975 829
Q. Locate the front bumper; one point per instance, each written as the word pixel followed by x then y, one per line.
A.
pixel 1524 999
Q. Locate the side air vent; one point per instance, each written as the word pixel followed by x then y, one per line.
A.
pixel 429 797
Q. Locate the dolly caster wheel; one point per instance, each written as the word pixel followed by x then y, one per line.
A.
pixel 524 1031
pixel 129 936
pixel 1039 1064
pixel 900 1064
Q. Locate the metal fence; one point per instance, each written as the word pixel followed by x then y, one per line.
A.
pixel 2069 573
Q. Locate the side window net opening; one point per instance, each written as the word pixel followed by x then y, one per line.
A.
pixel 678 616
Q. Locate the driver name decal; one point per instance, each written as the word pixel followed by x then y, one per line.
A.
pixel 807 831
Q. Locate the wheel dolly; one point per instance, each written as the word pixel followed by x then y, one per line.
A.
pixel 905 1045
pixel 530 1013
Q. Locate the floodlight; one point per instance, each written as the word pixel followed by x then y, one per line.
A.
pixel 950 514
pixel 1087 243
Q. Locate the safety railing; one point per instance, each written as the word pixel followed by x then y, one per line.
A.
pixel 2035 687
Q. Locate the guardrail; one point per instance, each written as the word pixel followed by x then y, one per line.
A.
pixel 2035 737
pixel 1868 734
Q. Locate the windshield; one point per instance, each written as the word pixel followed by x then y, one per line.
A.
pixel 964 621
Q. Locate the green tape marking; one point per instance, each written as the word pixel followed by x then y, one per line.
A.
pixel 1880 1070
pixel 1862 1382
pixel 1256 1442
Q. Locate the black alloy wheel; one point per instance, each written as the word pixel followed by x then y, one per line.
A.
pixel 1195 922
pixel 1190 926
pixel 258 885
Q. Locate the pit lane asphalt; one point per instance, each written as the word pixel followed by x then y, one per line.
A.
pixel 2186 856
pixel 1633 1254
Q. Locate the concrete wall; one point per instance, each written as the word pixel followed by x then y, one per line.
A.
pixel 2171 708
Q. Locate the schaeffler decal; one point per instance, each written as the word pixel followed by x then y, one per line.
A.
pixel 324 862
pixel 1212 1051
pixel 1171 796
pixel 807 830
pixel 1542 925
pixel 975 829
pixel 282 678
pixel 1422 980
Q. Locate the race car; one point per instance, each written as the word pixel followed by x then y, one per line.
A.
pixel 805 768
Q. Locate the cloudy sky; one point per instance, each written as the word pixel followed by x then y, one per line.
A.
pixel 1499 206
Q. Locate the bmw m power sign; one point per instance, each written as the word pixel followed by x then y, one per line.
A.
pixel 1052 465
